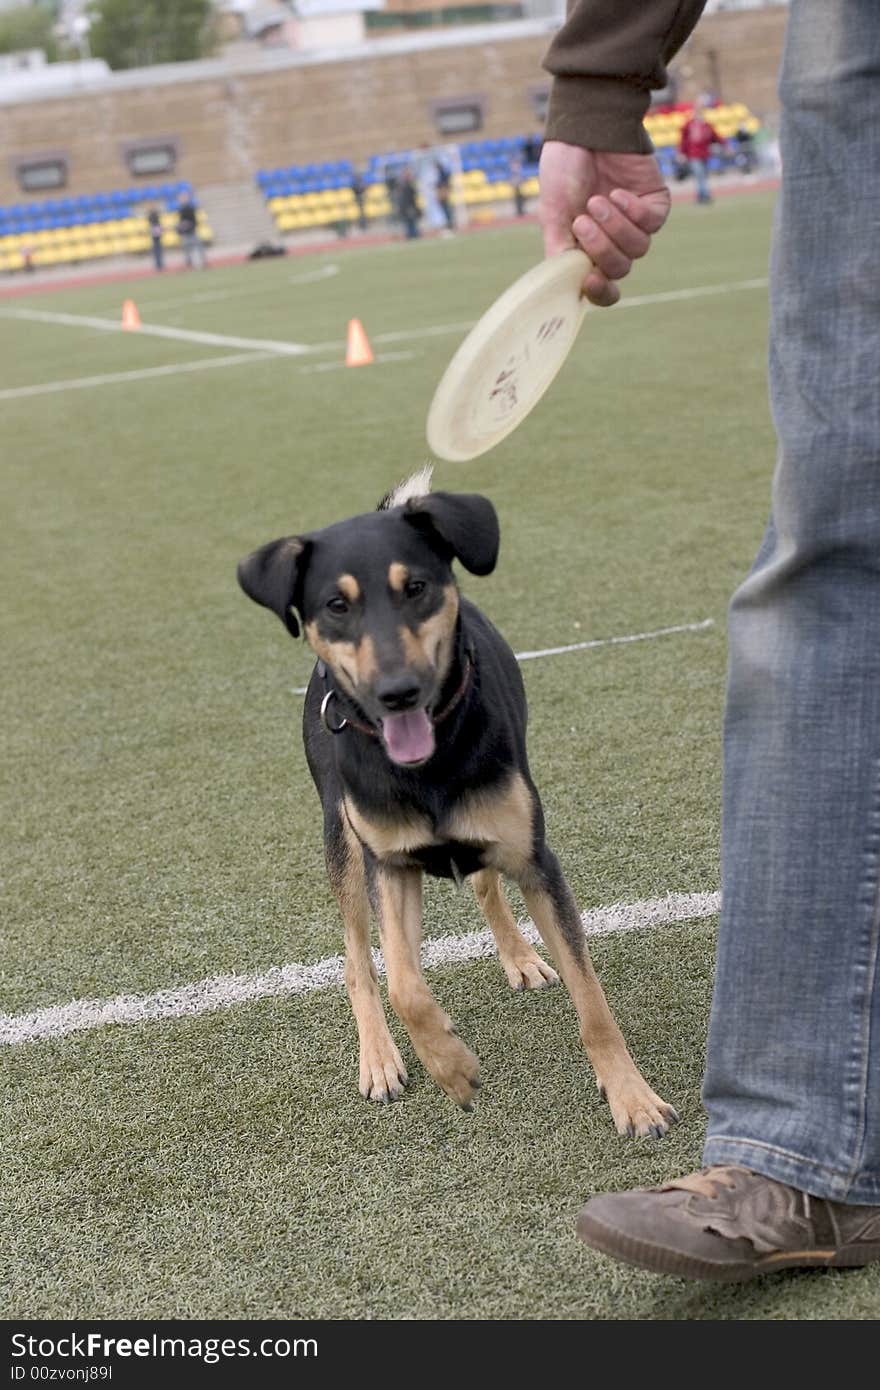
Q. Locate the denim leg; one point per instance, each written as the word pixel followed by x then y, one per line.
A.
pixel 701 179
pixel 792 1085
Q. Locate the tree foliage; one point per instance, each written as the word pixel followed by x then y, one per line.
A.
pixel 27 26
pixel 138 33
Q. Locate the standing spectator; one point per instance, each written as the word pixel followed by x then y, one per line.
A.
pixel 516 178
pixel 188 231
pixel 444 195
pixel 407 204
pixel 358 188
pixel 532 149
pixel 695 145
pixel 744 146
pixel 155 225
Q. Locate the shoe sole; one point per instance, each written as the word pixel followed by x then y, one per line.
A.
pixel 660 1259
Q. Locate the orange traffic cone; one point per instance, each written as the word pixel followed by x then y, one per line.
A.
pixel 130 317
pixel 358 353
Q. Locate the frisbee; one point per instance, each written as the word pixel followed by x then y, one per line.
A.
pixel 508 359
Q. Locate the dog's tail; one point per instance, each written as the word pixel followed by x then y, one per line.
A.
pixel 416 486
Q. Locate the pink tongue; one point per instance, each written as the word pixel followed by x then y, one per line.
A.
pixel 409 737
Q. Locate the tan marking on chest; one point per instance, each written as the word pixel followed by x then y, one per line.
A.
pixel 408 831
pixel 501 818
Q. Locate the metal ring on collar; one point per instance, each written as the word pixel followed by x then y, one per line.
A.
pixel 325 705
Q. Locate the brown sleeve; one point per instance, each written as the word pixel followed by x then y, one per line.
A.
pixel 605 61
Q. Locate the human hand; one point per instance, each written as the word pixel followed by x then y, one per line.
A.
pixel 608 204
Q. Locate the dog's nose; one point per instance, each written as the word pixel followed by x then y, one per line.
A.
pixel 398 692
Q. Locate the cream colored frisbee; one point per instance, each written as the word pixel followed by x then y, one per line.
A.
pixel 508 359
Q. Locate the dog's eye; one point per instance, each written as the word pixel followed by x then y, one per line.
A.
pixel 338 605
pixel 414 587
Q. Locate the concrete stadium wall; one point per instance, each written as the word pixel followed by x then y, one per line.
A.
pixel 227 125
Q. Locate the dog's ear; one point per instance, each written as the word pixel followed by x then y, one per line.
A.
pixel 273 576
pixel 466 523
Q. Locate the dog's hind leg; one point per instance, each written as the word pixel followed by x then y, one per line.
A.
pixel 382 1074
pixel 634 1106
pixel 522 965
pixel 396 896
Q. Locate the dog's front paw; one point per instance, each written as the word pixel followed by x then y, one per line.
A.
pixel 382 1073
pixel 526 970
pixel 451 1063
pixel 636 1110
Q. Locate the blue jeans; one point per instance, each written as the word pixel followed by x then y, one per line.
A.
pixel 700 171
pixel 792 1086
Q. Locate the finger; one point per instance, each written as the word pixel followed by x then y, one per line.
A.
pixel 605 255
pixel 627 236
pixel 599 290
pixel 649 211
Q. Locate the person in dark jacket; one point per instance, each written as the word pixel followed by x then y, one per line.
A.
pixel 407 203
pixel 188 231
pixel 155 225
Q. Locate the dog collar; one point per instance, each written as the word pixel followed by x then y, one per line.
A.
pixel 369 729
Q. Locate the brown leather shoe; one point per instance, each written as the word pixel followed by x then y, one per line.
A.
pixel 729 1224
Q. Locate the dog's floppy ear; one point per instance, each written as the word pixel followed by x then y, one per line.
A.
pixel 273 576
pixel 464 521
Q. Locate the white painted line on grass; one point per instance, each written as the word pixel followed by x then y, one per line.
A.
pixel 223 991
pixel 616 641
pixel 402 335
pixel 309 277
pixel 594 642
pixel 156 330
pixel 141 374
pixel 262 348
pixel 695 292
pixel 378 360
pixel 436 330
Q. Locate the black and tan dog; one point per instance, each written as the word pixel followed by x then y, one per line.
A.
pixel 415 734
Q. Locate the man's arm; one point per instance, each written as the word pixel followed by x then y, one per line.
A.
pixel 606 60
pixel 601 186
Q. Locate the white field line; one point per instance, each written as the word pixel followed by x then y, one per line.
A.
pixel 594 642
pixel 402 335
pixel 695 292
pixel 378 360
pixel 156 330
pixel 405 335
pixel 141 374
pixel 223 991
pixel 264 348
pixel 616 641
pixel 309 277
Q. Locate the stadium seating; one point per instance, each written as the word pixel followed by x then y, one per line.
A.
pixel 305 196
pixel 301 197
pixel 66 231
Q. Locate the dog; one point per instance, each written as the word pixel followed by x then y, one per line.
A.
pixel 414 727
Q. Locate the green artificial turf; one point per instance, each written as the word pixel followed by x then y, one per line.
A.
pixel 160 826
